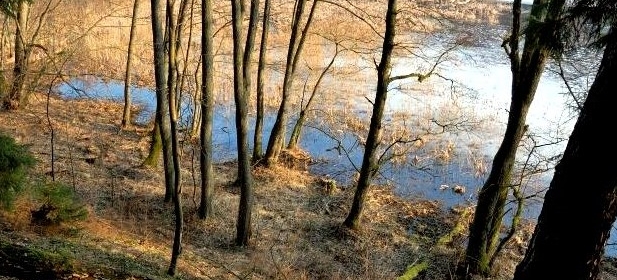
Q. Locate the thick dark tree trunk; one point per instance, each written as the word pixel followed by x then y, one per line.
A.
pixel 259 117
pixel 245 180
pixel 126 115
pixel 369 162
pixel 162 94
pixel 581 203
pixel 207 109
pixel 16 97
pixel 526 73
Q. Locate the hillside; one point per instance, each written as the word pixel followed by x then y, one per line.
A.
pixel 128 232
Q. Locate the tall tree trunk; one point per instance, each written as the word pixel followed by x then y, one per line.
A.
pixel 207 109
pixel 259 117
pixel 126 115
pixel 294 139
pixel 580 205
pixel 526 73
pixel 173 93
pixel 277 137
pixel 245 180
pixel 177 199
pixel 369 162
pixel 162 94
pixel 16 97
pixel 249 46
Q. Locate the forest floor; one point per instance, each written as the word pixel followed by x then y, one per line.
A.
pixel 128 232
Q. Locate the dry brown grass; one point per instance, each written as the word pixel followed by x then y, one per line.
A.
pixel 296 233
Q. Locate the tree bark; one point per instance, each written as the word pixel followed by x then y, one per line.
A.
pixel 173 93
pixel 245 180
pixel 207 110
pixel 162 94
pixel 16 97
pixel 369 162
pixel 259 116
pixel 277 137
pixel 126 115
pixel 526 73
pixel 580 205
pixel 249 45
pixel 156 146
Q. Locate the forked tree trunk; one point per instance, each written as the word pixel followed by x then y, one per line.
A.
pixel 527 70
pixel 369 161
pixel 580 205
pixel 162 94
pixel 277 137
pixel 245 180
pixel 259 116
pixel 207 110
pixel 173 93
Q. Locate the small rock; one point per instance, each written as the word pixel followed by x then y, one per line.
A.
pixel 458 189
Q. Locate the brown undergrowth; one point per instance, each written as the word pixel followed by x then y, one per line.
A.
pixel 296 219
pixel 296 232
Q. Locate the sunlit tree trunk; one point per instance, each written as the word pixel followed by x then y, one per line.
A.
pixel 162 94
pixel 369 161
pixel 16 96
pixel 156 146
pixel 177 199
pixel 259 116
pixel 249 45
pixel 580 205
pixel 527 70
pixel 173 95
pixel 245 180
pixel 277 137
pixel 126 115
pixel 207 109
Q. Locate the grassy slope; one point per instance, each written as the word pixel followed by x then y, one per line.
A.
pixel 296 232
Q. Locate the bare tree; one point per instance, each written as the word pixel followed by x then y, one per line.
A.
pixel 369 161
pixel 527 67
pixel 126 115
pixel 294 139
pixel 259 116
pixel 245 178
pixel 296 42
pixel 557 250
pixel 207 109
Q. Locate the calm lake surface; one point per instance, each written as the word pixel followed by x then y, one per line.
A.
pixel 472 91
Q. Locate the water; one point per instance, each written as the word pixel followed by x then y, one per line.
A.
pixel 473 92
pixel 409 180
